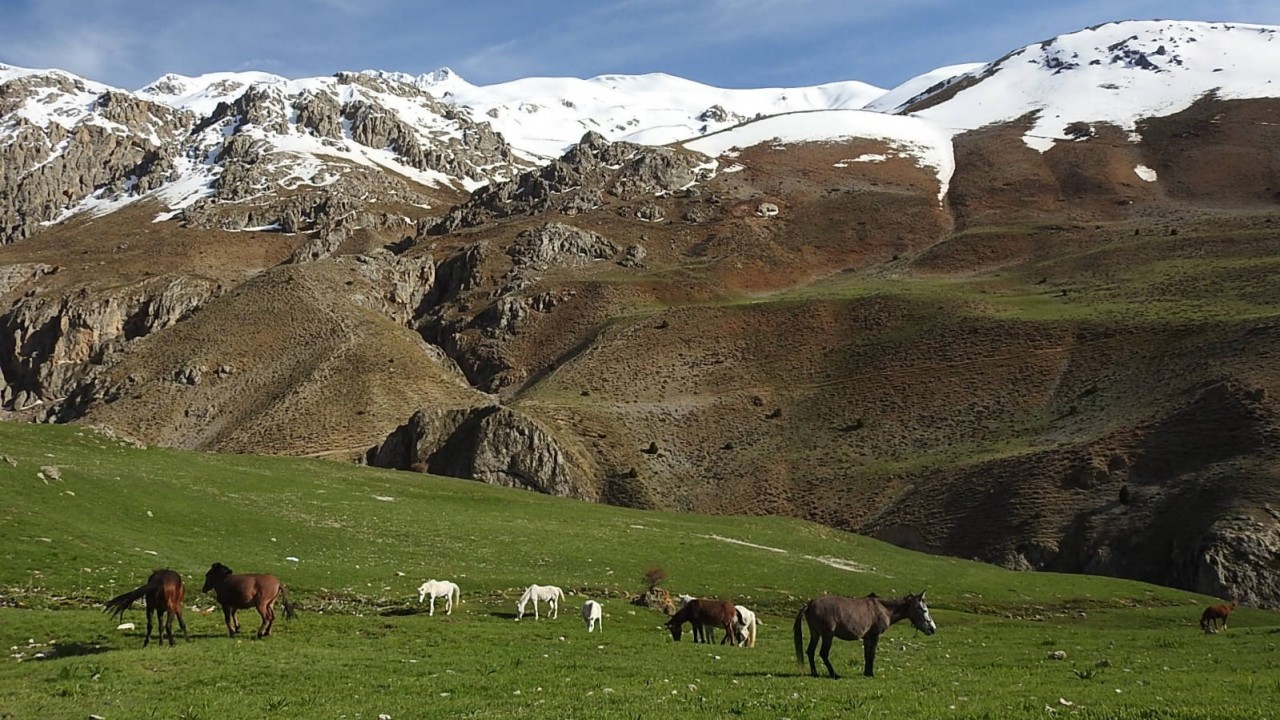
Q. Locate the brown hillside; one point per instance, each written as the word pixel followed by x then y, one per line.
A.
pixel 1060 366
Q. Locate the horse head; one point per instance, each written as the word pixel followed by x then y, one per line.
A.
pixel 215 576
pixel 918 613
pixel 676 626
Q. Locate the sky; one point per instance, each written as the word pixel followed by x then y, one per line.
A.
pixel 725 43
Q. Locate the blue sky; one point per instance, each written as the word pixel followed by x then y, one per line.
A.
pixel 729 43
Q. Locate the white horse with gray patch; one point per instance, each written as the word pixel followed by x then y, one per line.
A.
pixel 593 613
pixel 550 594
pixel 439 588
pixel 744 626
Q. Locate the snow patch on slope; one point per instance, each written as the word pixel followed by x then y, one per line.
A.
pixel 928 145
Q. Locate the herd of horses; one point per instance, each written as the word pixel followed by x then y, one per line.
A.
pixel 828 616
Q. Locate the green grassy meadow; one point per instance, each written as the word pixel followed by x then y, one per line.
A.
pixel 362 647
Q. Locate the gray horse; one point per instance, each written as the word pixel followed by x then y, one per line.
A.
pixel 833 616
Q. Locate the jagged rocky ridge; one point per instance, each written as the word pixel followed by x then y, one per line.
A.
pixel 271 154
pixel 577 182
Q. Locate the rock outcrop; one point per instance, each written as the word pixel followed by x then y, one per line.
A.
pixel 578 181
pixel 1239 558
pixel 47 342
pixel 491 444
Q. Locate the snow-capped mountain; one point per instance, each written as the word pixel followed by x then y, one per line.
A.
pixel 544 116
pixel 202 144
pixel 1116 73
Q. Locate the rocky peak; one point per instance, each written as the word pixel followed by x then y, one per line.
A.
pixel 578 181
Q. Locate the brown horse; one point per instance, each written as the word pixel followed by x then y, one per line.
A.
pixel 833 616
pixel 237 592
pixel 701 612
pixel 164 593
pixel 1214 614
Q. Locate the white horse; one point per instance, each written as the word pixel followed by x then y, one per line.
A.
pixel 440 588
pixel 593 613
pixel 744 626
pixel 551 594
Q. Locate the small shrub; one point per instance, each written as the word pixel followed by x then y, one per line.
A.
pixel 653 577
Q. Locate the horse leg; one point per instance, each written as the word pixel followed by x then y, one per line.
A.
pixel 555 609
pixel 869 655
pixel 228 616
pixel 535 607
pixel 813 647
pixel 432 607
pixel 268 612
pixel 147 640
pixel 168 625
pixel 183 624
pixel 826 655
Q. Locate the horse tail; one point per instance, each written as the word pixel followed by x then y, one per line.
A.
pixel 751 633
pixel 798 632
pixel 559 594
pixel 118 604
pixel 457 594
pixel 1204 618
pixel 289 613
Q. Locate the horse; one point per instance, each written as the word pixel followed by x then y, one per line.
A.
pixel 550 594
pixel 700 633
pixel 439 588
pixel 164 593
pixel 832 616
pixel 744 625
pixel 593 613
pixel 715 613
pixel 237 592
pixel 1214 614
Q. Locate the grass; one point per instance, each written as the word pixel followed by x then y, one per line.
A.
pixel 362 646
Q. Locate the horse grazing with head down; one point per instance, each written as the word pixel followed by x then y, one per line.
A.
pixel 164 593
pixel 440 588
pixel 1215 614
pixel 237 592
pixel 593 613
pixel 550 594
pixel 833 616
pixel 745 624
pixel 701 612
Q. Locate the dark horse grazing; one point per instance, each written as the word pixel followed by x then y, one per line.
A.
pixel 833 616
pixel 164 593
pixel 1214 614
pixel 710 613
pixel 237 592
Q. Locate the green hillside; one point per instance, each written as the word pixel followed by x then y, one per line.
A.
pixel 86 517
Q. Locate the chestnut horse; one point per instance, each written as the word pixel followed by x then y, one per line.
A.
pixel 867 618
pixel 164 593
pixel 702 612
pixel 237 592
pixel 1214 614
